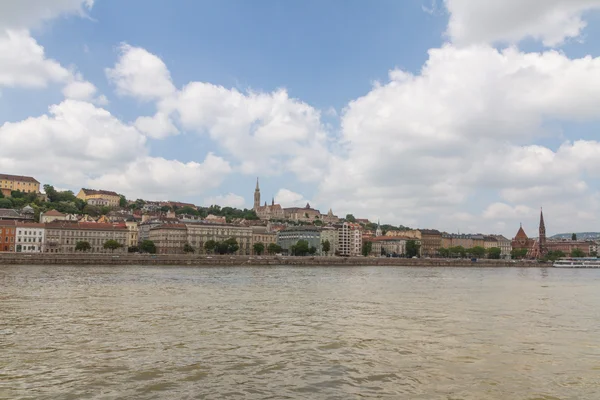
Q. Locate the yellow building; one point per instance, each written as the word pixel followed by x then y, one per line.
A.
pixel 100 196
pixel 25 184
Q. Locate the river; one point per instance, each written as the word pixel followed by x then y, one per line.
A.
pixel 299 333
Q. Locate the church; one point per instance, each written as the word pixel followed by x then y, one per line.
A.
pixel 266 212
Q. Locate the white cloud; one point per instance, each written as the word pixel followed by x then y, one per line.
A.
pixel 23 63
pixel 23 14
pixel 140 74
pixel 421 147
pixel 158 127
pixel 509 21
pixel 228 200
pixel 80 89
pixel 288 198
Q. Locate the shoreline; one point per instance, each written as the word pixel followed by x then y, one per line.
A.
pixel 233 261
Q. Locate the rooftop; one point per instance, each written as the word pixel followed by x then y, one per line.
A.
pixel 19 178
pixel 102 192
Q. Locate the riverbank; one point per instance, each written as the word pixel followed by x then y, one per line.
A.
pixel 216 260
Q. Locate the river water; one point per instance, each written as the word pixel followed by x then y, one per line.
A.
pixel 298 333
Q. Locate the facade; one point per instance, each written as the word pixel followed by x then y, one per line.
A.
pixel 144 229
pixel 384 245
pixel 330 234
pixel 290 236
pixel 350 239
pixel 89 194
pixel 8 214
pixel 260 234
pixel 199 233
pixel 132 232
pixel 99 202
pixel 169 238
pixel 62 237
pixel 8 232
pixel 567 246
pixel 490 242
pixel 521 241
pixel 330 218
pixel 25 184
pixel 505 246
pixel 478 240
pixel 305 214
pixel 266 212
pixel 30 237
pixel 431 242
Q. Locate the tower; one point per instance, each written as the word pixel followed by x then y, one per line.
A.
pixel 542 239
pixel 256 197
pixel 378 230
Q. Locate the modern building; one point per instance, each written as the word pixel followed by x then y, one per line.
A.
pixel 30 237
pixel 293 234
pixel 169 238
pixel 266 212
pixel 90 194
pixel 26 184
pixel 51 216
pixel 62 237
pixel 260 234
pixel 200 232
pixel 349 239
pixel 8 232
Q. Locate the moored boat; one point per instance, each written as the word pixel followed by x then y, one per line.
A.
pixel 591 262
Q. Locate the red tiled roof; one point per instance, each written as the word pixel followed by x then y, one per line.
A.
pixel 83 225
pixel 94 191
pixel 169 226
pixel 19 178
pixel 7 222
pixel 30 225
pixel 53 213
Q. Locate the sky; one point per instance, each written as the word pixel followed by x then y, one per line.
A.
pixel 458 115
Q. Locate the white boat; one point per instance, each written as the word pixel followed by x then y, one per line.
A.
pixel 577 263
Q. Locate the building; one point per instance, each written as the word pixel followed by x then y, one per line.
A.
pixel 505 246
pixel 62 237
pixel 132 232
pixel 349 239
pixel 384 245
pixel 521 241
pixel 30 237
pixel 169 238
pixel 329 218
pixel 8 232
pixel 26 184
pixel 89 194
pixel 144 229
pixel 293 234
pixel 51 216
pixel 431 242
pixel 8 214
pixel 200 232
pixel 99 202
pixel 215 219
pixel 490 242
pixel 304 214
pixel 274 211
pixel 260 234
pixel 330 234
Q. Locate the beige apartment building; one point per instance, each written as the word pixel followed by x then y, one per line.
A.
pixel 260 234
pixel 169 238
pixel 132 232
pixel 62 236
pixel 25 184
pixel 199 233
pixel 331 234
pixel 104 197
pixel 349 239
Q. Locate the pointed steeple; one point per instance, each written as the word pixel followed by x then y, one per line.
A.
pixel 256 196
pixel 542 238
pixel 257 188
pixel 273 201
pixel 378 230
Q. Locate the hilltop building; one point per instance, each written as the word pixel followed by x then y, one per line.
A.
pixel 267 212
pixel 99 197
pixel 25 184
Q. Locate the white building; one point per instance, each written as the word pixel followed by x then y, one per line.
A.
pixel 350 239
pixel 30 238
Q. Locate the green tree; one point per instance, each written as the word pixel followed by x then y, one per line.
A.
pixel 366 248
pixel 82 246
pixel 274 248
pixel 51 193
pixel 133 249
pixel 1 195
pixel 518 254
pixel 112 245
pixel 478 251
pixel 165 209
pixel 148 246
pixel 90 210
pixel 312 251
pixel 104 210
pixel 577 253
pixel 458 251
pixel 412 248
pixel 554 255
pixel 187 248
pixel 318 222
pixel 259 248
pixel 301 248
pixel 122 201
pixel 350 218
pixel 210 246
pixel 187 210
pixel 232 245
pixel 444 252
pixel 574 236
pixel 326 246
pixel 494 253
pixel 6 203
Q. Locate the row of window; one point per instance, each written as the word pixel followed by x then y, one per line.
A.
pixel 32 233
pixel 6 239
pixel 29 240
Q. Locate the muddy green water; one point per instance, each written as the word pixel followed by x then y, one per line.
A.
pixel 298 333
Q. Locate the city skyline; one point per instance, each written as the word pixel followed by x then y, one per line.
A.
pixel 433 114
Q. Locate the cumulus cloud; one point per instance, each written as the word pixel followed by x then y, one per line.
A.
pixel 157 127
pixel 421 146
pixel 24 14
pixel 140 74
pixel 228 200
pixel 288 198
pixel 509 21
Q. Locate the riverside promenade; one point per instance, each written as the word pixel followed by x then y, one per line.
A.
pixel 228 260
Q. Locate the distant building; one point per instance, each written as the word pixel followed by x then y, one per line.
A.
pixel 305 214
pixel 200 232
pixel 132 231
pixel 30 237
pixel 505 246
pixel 260 234
pixel 95 195
pixel 384 245
pixel 26 184
pixel 8 232
pixel 169 238
pixel 293 234
pixel 62 237
pixel 331 235
pixel 431 242
pixel 266 212
pixel 349 239
pixel 329 218
pixel 8 214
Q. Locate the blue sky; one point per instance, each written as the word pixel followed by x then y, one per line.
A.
pixel 438 114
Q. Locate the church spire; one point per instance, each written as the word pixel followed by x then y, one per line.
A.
pixel 256 196
pixel 257 188
pixel 378 230
pixel 542 238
